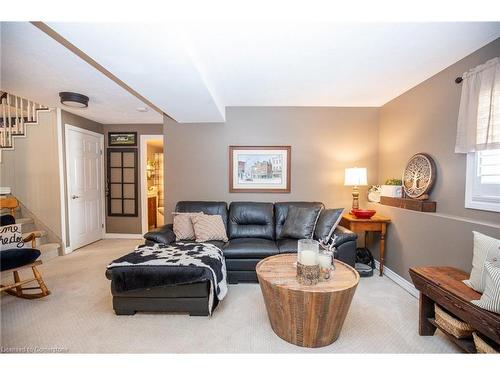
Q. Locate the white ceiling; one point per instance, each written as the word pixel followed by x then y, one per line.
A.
pixel 193 70
pixel 36 67
pixel 323 64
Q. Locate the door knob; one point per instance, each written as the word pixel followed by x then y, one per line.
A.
pixel 74 196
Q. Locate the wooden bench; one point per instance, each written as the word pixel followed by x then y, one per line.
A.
pixel 444 286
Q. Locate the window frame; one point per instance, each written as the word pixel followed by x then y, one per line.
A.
pixel 477 202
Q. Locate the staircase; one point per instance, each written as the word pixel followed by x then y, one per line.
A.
pixel 49 250
pixel 16 114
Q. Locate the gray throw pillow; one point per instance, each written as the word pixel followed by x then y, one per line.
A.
pixel 300 222
pixel 327 222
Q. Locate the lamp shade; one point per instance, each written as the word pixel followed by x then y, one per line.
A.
pixel 355 177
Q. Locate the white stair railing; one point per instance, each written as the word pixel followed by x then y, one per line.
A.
pixel 15 113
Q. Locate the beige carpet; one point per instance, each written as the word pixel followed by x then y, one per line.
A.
pixel 77 317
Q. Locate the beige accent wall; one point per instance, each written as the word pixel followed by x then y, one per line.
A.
pixel 32 171
pixel 324 141
pixel 424 119
pixel 129 225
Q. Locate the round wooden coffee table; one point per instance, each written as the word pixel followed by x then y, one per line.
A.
pixel 310 316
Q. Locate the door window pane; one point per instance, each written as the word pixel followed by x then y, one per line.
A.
pixel 122 179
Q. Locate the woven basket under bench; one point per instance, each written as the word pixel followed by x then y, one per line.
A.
pixel 452 325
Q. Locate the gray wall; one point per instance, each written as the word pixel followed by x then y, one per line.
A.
pixel 324 141
pixel 129 225
pixel 424 119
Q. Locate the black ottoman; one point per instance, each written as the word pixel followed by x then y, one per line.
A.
pixel 192 298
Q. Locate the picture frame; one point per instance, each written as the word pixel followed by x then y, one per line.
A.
pixel 122 139
pixel 260 169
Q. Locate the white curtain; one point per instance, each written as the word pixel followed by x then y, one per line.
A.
pixel 478 125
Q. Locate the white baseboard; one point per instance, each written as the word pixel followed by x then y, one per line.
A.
pixel 402 282
pixel 127 236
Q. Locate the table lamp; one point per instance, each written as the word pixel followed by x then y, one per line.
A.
pixel 355 177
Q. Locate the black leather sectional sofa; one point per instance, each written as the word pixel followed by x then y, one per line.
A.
pixel 254 230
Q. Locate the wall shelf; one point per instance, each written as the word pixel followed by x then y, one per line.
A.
pixel 409 204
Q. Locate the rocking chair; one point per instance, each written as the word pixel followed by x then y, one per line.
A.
pixel 16 259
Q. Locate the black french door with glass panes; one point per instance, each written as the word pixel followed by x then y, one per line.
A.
pixel 122 182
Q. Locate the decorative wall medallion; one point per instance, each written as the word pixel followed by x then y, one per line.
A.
pixel 419 176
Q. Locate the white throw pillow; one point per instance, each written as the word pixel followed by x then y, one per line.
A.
pixel 11 237
pixel 490 300
pixel 486 249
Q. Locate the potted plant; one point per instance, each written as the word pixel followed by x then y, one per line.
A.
pixel 392 188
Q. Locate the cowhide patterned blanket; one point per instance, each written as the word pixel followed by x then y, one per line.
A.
pixel 174 264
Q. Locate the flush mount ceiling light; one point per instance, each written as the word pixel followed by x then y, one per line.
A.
pixel 142 109
pixel 73 99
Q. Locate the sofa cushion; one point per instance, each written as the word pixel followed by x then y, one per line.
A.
pixel 251 220
pixel 209 228
pixel 287 245
pixel 300 222
pixel 164 235
pixel 208 208
pixel 327 222
pixel 256 248
pixel 183 226
pixel 13 258
pixel 241 264
pixel 281 212
pixel 219 244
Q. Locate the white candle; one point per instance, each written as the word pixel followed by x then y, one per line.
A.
pixel 325 261
pixel 308 258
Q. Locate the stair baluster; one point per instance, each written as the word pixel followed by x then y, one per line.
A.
pixel 15 113
pixel 16 120
pixel 22 115
pixel 4 118
pixel 9 123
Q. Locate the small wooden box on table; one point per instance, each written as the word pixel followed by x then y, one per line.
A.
pixel 444 286
pixel 376 223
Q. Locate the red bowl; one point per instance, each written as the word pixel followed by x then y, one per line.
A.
pixel 363 214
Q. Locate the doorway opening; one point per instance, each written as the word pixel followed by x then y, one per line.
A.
pixel 152 183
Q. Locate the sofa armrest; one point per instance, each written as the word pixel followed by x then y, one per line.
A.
pixel 343 235
pixel 345 242
pixel 163 235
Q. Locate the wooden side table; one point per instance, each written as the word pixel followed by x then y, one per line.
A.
pixel 310 316
pixel 377 223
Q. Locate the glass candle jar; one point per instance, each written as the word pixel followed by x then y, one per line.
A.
pixel 308 262
pixel 325 260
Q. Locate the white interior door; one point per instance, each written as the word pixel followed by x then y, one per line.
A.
pixel 85 186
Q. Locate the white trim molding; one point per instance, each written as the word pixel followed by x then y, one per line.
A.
pixel 402 282
pixel 123 236
pixel 62 179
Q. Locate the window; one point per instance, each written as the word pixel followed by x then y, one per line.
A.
pixel 482 190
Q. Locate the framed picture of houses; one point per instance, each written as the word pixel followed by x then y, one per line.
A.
pixel 259 169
